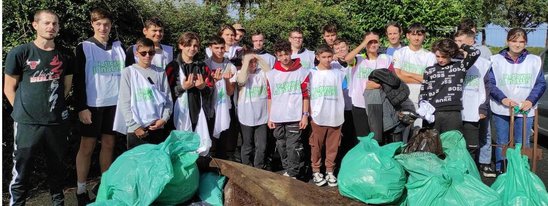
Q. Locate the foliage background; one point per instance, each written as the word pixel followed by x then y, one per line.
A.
pixel 272 17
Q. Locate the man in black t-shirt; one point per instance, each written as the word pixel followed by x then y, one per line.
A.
pixel 37 80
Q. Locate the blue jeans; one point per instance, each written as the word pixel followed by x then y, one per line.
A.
pixel 502 124
pixel 485 142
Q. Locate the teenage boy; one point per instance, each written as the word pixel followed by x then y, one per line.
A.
pixel 409 64
pixel 225 80
pixel 145 102
pixel 469 24
pixel 192 80
pixel 99 60
pixel 329 34
pixel 306 56
pixel 443 84
pixel 37 79
pixel 393 32
pixel 475 102
pixel 258 46
pixel 327 106
pixel 154 30
pixel 240 34
pixel 288 103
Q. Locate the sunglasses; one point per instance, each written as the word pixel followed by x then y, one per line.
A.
pixel 150 53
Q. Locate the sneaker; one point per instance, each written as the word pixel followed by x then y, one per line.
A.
pixel 487 170
pixel 331 179
pixel 286 174
pixel 318 179
pixel 83 199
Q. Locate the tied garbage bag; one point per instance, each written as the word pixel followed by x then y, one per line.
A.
pixel 432 181
pixel 211 188
pixel 164 174
pixel 454 148
pixel 369 173
pixel 519 186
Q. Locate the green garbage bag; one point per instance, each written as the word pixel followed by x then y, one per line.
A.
pixel 165 173
pixel 433 181
pixel 211 188
pixel 454 147
pixel 519 186
pixel 369 174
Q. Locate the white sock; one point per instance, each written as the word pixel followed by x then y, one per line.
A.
pixel 81 187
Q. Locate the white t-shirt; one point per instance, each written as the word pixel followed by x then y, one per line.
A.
pixel 159 60
pixel 269 58
pixel 326 97
pixel 307 58
pixel 473 94
pixel 346 84
pixel 286 94
pixel 413 62
pixel 252 100
pixel 229 53
pixel 225 66
pixel 360 75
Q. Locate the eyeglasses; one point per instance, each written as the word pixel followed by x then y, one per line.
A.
pixel 150 53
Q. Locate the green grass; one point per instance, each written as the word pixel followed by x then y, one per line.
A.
pixel 532 50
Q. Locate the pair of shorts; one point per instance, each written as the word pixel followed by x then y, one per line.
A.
pixel 102 120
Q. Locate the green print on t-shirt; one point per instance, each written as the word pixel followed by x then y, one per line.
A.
pixel 516 79
pixel 256 91
pixel 413 68
pixel 363 72
pixel 106 67
pixel 306 64
pixel 323 91
pixel 144 94
pixel 287 87
pixel 471 81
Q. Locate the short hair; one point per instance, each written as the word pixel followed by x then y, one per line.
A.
pixel 446 46
pixel 394 24
pixel 324 48
pixel 154 21
pixel 225 27
pixel 466 24
pixel 282 46
pixel 371 33
pixel 144 42
pixel 257 33
pixel 43 11
pixel 99 13
pixel 340 40
pixel 186 38
pixel 466 32
pixel 416 28
pixel 295 29
pixel 515 33
pixel 215 40
pixel 331 28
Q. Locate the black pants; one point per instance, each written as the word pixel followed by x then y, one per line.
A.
pixel 290 147
pixel 254 145
pixel 361 123
pixel 29 139
pixel 153 137
pixel 446 121
pixel 472 132
pixel 348 140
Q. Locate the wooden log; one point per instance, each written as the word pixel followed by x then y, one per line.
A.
pixel 273 189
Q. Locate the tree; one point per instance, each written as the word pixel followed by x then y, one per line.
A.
pixel 517 13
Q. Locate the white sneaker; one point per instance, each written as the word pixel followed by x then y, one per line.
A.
pixel 286 174
pixel 331 179
pixel 318 179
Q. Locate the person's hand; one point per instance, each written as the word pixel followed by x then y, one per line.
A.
pixel 372 85
pixel 189 82
pixel 509 103
pixel 141 133
pixel 228 75
pixel 217 75
pixel 200 83
pixel 271 124
pixel 304 122
pixel 482 116
pixel 157 124
pixel 526 105
pixel 85 116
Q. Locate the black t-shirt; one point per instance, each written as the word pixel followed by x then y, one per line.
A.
pixel 39 98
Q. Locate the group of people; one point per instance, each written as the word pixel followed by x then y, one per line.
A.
pixel 328 96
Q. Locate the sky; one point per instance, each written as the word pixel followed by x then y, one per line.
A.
pixel 496 36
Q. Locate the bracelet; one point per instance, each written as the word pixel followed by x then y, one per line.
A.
pixel 306 114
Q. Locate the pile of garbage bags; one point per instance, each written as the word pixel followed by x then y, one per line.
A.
pixel 163 174
pixel 390 174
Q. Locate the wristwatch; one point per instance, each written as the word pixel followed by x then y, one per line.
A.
pixel 306 114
